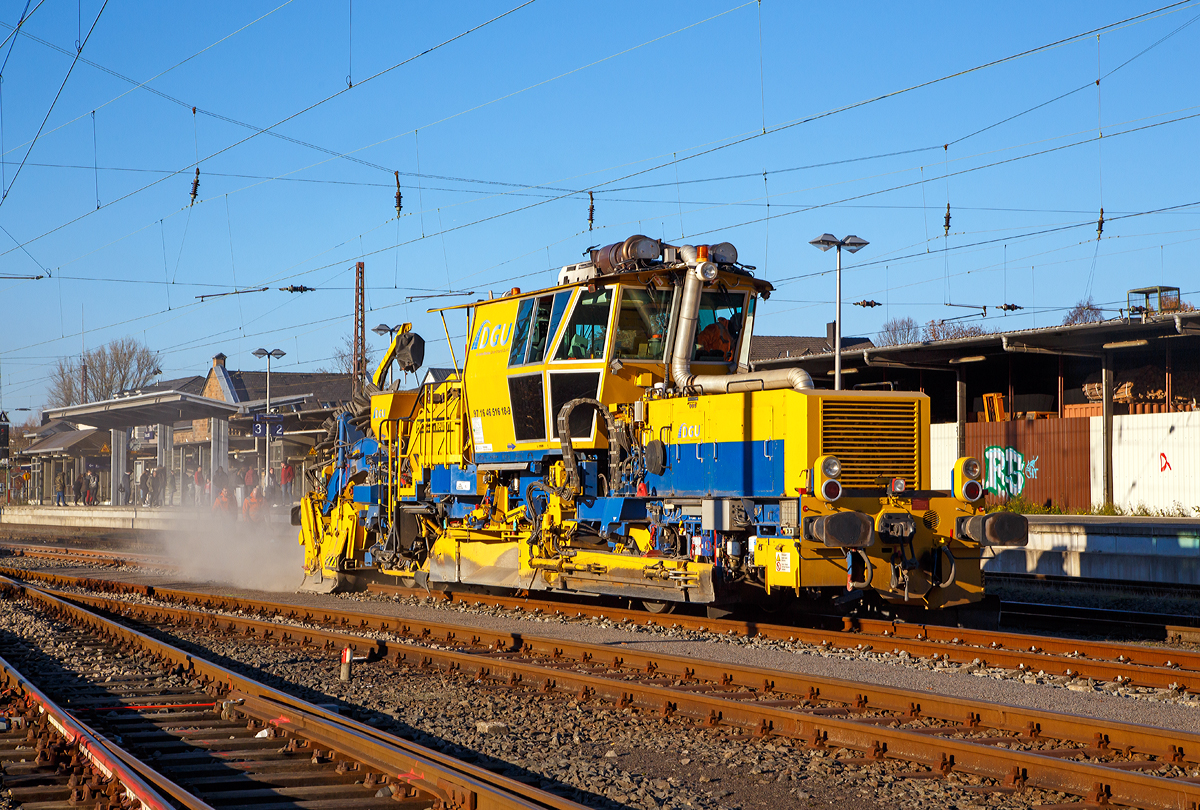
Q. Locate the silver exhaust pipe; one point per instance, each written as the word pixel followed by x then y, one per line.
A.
pixel 685 341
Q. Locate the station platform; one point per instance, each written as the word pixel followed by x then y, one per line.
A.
pixel 1126 549
pixel 103 519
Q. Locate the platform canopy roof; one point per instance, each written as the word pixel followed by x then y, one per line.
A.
pixel 160 407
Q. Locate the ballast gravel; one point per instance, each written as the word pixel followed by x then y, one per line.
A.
pixel 597 754
pixel 875 662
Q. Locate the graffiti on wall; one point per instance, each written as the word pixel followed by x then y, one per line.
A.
pixel 1006 471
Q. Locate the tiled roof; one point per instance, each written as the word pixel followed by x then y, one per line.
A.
pixel 324 387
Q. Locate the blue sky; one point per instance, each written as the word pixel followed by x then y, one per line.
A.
pixel 648 104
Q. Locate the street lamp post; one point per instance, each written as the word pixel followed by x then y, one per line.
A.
pixel 260 354
pixel 853 244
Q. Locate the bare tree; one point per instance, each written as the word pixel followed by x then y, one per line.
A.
pixel 1084 311
pixel 952 330
pixel 17 441
pixel 121 365
pixel 342 361
pixel 898 331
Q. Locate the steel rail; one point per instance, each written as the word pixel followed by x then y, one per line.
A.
pixel 139 780
pixel 504 657
pixel 1144 666
pixel 454 783
pixel 93 556
pixel 1136 665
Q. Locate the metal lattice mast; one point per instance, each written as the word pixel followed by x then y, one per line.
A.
pixel 359 358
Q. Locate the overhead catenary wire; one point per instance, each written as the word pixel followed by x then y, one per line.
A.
pixel 17 173
pixel 288 118
pixel 707 149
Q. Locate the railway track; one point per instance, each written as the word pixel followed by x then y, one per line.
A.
pixel 88 556
pixel 1123 664
pixel 1008 748
pixel 178 731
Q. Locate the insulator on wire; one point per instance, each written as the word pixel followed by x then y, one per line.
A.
pixel 297 288
pixel 947 219
pixel 865 303
pixel 196 186
pixel 1100 224
pixel 591 210
pixel 399 196
pixel 1010 307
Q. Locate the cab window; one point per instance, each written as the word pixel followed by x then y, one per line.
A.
pixel 545 323
pixel 719 325
pixel 587 330
pixel 516 354
pixel 642 323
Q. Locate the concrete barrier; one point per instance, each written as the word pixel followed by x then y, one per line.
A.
pixel 1128 549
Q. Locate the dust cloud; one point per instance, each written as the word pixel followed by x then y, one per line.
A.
pixel 220 551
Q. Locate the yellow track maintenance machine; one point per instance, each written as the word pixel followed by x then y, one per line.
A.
pixel 608 437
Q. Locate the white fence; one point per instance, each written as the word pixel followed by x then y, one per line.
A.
pixel 943 452
pixel 1156 460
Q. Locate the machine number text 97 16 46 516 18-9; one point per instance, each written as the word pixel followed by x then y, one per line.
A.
pixel 499 411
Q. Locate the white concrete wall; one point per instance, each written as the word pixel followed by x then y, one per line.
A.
pixel 1156 460
pixel 943 452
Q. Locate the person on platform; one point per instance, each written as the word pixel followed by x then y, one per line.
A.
pixel 199 482
pixel 286 475
pixel 60 489
pixel 144 488
pixel 168 488
pixel 223 505
pixel 253 506
pixel 251 478
pixel 92 482
pixel 220 481
pixel 78 488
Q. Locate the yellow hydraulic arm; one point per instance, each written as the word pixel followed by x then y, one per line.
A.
pixel 381 372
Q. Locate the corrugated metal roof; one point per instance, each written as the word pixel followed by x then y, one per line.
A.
pixel 59 443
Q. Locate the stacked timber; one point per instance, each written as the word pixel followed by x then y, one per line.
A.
pixel 1147 384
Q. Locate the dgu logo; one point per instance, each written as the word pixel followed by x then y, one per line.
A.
pixel 492 337
pixel 688 432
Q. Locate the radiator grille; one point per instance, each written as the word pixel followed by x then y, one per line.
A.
pixel 873 439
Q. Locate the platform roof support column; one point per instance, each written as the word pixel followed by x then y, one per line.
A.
pixel 166 443
pixel 960 388
pixel 120 447
pixel 1107 427
pixel 218 430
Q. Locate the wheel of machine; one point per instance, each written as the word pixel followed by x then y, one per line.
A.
pixel 652 606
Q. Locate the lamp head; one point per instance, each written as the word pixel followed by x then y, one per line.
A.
pixel 260 353
pixel 854 244
pixel 825 241
pixel 277 353
pixel 382 329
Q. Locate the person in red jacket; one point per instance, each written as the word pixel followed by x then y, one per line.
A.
pixel 286 476
pixel 223 505
pixel 252 507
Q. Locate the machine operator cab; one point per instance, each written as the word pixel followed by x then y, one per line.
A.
pixel 603 333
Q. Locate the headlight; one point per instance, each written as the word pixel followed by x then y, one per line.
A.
pixel 971 491
pixel 831 467
pixel 707 271
pixel 971 468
